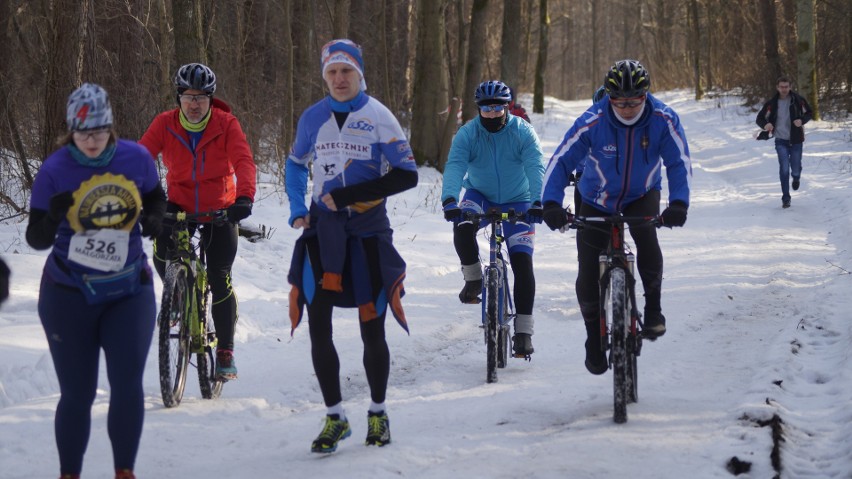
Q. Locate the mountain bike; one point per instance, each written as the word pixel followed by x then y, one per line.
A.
pixel 186 328
pixel 620 321
pixel 498 312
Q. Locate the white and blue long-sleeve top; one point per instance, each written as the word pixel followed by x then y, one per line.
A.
pixel 359 162
pixel 622 163
pixel 506 166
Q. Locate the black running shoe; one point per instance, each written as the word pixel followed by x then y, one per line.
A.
pixel 378 429
pixel 595 358
pixel 471 291
pixel 654 325
pixel 334 431
pixel 522 345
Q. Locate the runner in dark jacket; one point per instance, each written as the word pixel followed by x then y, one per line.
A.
pixel 784 117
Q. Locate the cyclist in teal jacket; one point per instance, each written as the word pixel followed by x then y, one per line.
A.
pixel 497 158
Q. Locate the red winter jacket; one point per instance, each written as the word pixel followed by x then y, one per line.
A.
pixel 203 180
pixel 517 110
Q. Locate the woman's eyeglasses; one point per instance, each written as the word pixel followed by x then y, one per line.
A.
pixel 98 135
pixel 630 103
pixel 187 98
pixel 488 108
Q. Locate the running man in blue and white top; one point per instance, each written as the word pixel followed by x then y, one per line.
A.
pixel 360 157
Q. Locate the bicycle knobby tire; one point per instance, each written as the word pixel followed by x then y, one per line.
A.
pixel 174 340
pixel 622 377
pixel 210 387
pixel 492 324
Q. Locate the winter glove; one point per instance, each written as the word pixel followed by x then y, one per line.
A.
pixel 4 281
pixel 674 214
pixel 59 205
pixel 452 212
pixel 152 225
pixel 535 213
pixel 555 216
pixel 240 210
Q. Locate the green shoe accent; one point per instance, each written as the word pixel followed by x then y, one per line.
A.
pixel 334 431
pixel 378 429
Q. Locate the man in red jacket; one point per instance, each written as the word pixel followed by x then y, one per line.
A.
pixel 203 147
pixel 516 109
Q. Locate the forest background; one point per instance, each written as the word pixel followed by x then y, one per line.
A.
pixel 423 59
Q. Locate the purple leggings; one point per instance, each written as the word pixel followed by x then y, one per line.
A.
pixel 76 332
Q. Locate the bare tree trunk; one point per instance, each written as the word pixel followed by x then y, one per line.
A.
pixel 167 68
pixel 695 41
pixel 288 128
pixel 386 67
pixel 475 57
pixel 63 52
pixel 461 47
pixel 788 39
pixel 593 60
pixel 430 83
pixel 711 41
pixel 341 19
pixel 127 53
pixel 530 6
pixel 450 127
pixel 565 62
pixel 770 42
pixel 10 134
pixel 807 73
pixel 189 40
pixel 511 43
pixel 541 62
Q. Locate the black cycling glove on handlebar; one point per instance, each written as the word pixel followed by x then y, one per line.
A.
pixel 535 214
pixel 555 216
pixel 240 210
pixel 452 212
pixel 674 214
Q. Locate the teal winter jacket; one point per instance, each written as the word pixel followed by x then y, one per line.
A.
pixel 506 166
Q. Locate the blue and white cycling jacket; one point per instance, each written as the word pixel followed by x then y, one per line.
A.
pixel 622 163
pixel 506 166
pixel 370 143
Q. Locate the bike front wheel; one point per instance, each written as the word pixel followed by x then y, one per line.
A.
pixel 492 324
pixel 174 340
pixel 504 333
pixel 211 387
pixel 623 366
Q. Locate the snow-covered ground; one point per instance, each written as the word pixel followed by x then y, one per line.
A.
pixel 757 300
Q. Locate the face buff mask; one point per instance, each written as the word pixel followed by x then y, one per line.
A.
pixel 493 125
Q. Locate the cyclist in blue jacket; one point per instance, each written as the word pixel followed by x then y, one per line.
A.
pixel 599 95
pixel 497 158
pixel 625 141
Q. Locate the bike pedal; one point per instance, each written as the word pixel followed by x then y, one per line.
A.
pixel 523 356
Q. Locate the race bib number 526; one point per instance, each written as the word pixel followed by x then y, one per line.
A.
pixel 101 249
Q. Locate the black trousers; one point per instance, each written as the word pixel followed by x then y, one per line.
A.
pixel 464 240
pixel 326 362
pixel 592 242
pixel 220 244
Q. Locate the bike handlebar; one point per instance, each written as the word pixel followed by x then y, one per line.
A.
pixel 494 214
pixel 215 217
pixel 581 221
